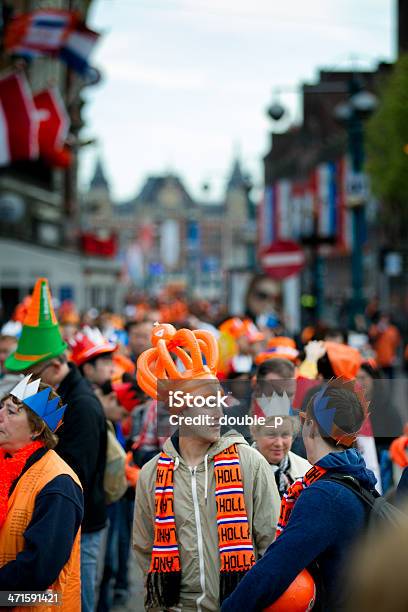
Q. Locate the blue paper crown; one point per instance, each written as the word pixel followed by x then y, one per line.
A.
pixel 324 415
pixel 46 409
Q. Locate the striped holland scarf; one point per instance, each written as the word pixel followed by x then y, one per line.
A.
pixel 292 494
pixel 234 538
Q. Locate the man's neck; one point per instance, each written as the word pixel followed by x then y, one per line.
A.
pixel 321 450
pixel 193 450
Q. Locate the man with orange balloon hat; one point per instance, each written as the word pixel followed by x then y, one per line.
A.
pixel 322 515
pixel 206 507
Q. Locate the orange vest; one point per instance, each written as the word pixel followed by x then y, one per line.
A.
pixel 20 511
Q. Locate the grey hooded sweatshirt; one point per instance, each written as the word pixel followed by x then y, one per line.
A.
pixel 196 517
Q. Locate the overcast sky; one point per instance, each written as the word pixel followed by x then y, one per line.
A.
pixel 186 82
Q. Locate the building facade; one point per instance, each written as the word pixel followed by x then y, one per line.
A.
pixel 39 203
pixel 308 197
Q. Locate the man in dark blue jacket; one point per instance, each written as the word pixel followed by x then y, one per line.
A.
pixel 325 517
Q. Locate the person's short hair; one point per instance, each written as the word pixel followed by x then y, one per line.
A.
pixel 334 332
pixel 349 414
pixel 46 436
pixel 282 367
pixel 134 323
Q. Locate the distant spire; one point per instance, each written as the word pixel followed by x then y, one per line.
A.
pixel 237 179
pixel 99 180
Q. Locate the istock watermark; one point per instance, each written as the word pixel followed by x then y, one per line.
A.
pixel 180 399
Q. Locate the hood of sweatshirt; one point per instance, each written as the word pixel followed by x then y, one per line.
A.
pixel 352 463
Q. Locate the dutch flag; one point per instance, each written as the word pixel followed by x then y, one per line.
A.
pixel 77 48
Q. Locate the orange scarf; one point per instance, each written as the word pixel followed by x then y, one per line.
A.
pixel 10 469
pixel 292 494
pixel 234 538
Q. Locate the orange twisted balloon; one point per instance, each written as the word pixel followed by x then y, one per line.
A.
pixel 189 346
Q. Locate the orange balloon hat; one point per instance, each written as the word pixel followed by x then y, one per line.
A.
pixel 300 596
pixel 188 346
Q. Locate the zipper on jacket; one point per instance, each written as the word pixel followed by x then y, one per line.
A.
pixel 199 537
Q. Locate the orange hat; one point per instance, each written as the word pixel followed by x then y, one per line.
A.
pixel 344 360
pixel 20 311
pixel 233 327
pixel 122 365
pixel 89 343
pixel 157 364
pixel 398 451
pixel 68 314
pixel 237 328
pixel 281 347
pixel 252 332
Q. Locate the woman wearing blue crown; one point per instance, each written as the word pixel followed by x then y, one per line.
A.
pixel 41 503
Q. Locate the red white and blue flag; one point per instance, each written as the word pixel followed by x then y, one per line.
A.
pixel 18 120
pixel 52 32
pixel 77 48
pixel 39 32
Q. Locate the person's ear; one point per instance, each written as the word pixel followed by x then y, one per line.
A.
pixel 37 433
pixel 314 429
pixel 87 369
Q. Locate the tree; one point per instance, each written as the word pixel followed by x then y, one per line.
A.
pixel 387 152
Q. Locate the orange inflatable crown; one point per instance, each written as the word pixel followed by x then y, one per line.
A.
pixel 188 346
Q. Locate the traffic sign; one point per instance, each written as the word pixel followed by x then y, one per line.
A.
pixel 282 259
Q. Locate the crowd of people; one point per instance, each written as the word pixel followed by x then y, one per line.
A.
pixel 262 515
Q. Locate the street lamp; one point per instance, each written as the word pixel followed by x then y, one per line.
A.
pixel 275 111
pixel 351 113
